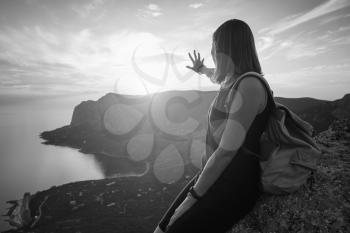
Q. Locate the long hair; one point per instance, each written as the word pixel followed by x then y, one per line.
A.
pixel 235 51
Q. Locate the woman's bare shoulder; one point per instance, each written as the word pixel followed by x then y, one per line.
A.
pixel 253 88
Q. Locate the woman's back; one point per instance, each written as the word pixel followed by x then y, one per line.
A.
pixel 217 120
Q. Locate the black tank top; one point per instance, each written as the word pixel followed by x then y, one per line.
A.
pixel 217 120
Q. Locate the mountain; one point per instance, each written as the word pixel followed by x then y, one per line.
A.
pixel 320 113
pixel 117 124
pixel 139 128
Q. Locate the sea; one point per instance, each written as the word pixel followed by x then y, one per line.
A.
pixel 28 165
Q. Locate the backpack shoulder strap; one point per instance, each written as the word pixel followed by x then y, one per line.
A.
pixel 262 79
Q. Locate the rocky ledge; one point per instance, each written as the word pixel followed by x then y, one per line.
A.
pixel 323 204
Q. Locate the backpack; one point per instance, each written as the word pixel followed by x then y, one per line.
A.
pixel 288 153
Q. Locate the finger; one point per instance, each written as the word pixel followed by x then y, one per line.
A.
pixel 199 56
pixel 203 60
pixel 191 57
pixel 189 67
pixel 195 56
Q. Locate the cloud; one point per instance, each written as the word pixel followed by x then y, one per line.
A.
pixel 313 75
pixel 295 20
pixel 336 37
pixel 86 10
pixel 264 42
pixel 334 18
pixel 37 58
pixel 29 2
pixel 196 5
pixel 153 7
pixel 152 10
pixel 160 57
pixel 302 50
pixel 328 82
pixel 295 47
pixel 303 44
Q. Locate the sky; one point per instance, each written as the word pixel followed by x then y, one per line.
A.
pixel 50 48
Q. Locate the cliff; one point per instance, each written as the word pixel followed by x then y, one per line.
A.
pixel 121 125
pixel 134 204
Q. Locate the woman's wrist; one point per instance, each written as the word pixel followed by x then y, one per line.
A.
pixel 209 72
pixel 194 192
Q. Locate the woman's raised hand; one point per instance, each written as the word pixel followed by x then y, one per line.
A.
pixel 197 62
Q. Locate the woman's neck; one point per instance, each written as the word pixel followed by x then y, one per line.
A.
pixel 228 81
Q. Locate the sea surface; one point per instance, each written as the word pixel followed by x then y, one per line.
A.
pixel 27 165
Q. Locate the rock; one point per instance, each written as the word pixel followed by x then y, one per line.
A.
pixel 73 202
pixel 99 199
pixel 19 215
pixel 111 183
pixel 78 206
pixel 321 205
pixel 111 204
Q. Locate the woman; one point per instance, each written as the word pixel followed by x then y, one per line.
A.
pixel 229 183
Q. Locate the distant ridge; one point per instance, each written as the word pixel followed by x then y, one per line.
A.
pixel 115 122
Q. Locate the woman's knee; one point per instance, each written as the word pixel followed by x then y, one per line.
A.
pixel 158 230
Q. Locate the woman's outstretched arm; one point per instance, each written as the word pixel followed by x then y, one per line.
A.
pixel 209 72
pixel 242 113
